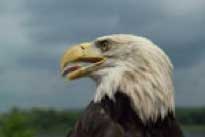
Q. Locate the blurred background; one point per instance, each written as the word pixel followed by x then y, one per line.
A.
pixel 35 33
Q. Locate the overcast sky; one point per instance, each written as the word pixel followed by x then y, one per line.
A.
pixel 34 34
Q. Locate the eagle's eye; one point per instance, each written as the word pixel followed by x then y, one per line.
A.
pixel 103 45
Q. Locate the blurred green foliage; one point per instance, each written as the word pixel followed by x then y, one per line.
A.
pixel 50 119
pixel 16 124
pixel 21 123
pixel 191 116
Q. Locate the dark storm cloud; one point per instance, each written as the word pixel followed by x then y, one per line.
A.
pixel 35 33
pixel 73 20
pixel 55 22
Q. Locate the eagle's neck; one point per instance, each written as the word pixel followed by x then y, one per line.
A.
pixel 150 92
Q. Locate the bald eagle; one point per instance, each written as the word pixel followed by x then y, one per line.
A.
pixel 134 89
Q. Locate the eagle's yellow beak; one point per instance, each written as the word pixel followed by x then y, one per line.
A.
pixel 80 60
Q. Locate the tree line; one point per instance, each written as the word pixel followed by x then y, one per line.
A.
pixel 25 123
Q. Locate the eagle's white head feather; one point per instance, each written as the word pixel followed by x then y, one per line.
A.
pixel 139 69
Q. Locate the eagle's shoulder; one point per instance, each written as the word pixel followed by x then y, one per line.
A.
pixel 110 118
pixel 96 121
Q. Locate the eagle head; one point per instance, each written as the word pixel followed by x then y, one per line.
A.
pixel 125 63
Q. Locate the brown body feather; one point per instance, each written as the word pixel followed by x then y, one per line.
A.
pixel 110 118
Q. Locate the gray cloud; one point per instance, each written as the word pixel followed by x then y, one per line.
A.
pixel 35 33
pixel 70 20
pixel 190 85
pixel 73 21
